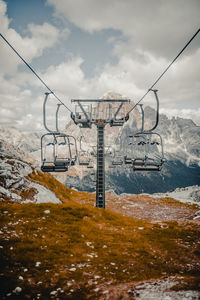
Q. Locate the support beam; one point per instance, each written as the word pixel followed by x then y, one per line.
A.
pixel 100 178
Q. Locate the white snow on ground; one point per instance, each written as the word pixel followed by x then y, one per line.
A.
pixel 5 192
pixel 160 290
pixel 189 194
pixel 44 195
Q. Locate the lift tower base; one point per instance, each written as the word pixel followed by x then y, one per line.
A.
pixel 100 181
pixel 90 112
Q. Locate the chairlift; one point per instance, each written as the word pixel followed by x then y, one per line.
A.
pixel 55 152
pixel 147 154
pixel 118 159
pixel 90 166
pixel 83 157
pixel 112 167
pixel 109 152
pixel 145 150
pixel 73 148
pixel 94 151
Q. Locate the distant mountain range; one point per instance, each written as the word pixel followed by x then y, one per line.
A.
pixel 181 139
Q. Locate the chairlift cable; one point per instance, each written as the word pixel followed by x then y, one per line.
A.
pixel 165 70
pixel 34 72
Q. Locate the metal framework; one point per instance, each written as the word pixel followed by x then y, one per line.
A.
pixel 59 150
pixel 146 142
pixel 99 112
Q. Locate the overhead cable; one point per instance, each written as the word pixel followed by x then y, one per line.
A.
pixel 33 71
pixel 165 70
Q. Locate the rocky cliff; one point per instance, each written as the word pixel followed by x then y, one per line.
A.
pixel 181 141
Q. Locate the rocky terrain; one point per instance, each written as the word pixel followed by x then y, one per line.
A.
pixel 14 183
pixel 181 148
pixel 54 244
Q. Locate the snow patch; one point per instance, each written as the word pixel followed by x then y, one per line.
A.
pixel 189 194
pixel 43 195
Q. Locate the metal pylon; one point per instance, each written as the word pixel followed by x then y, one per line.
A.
pixel 87 115
pixel 100 178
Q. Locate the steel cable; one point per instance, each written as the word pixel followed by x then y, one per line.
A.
pixel 165 71
pixel 34 71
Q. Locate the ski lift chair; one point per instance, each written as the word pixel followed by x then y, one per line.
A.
pixel 94 151
pixel 56 153
pixel 147 145
pixel 133 148
pixel 48 142
pixel 54 159
pixel 63 157
pixel 91 163
pixel 83 157
pixel 73 148
pixel 109 152
pixel 149 155
pixel 112 167
pixel 118 160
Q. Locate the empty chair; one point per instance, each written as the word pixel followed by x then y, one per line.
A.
pixel 145 152
pixel 55 152
pixel 84 159
pixel 118 159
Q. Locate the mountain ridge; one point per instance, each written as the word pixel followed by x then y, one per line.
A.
pixel 181 139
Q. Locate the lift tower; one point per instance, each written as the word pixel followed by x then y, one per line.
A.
pixel 99 112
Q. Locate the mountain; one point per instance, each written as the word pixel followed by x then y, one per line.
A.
pixel 181 141
pixel 15 183
pixel 55 244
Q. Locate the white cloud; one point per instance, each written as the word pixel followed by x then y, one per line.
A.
pixel 17 100
pixel 38 38
pixel 155 32
pixel 160 27
pixel 141 58
pixel 193 114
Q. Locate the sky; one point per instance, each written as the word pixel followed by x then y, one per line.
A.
pixel 84 49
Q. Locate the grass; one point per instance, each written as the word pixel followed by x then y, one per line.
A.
pixel 74 244
pixel 70 250
pixel 65 194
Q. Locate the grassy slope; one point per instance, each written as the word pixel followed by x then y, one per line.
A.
pixel 82 248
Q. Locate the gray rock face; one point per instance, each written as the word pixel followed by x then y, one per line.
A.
pixel 181 139
pixel 15 187
pixel 12 175
pixel 196 196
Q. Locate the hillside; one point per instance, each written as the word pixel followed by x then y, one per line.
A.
pixel 54 244
pixel 181 148
pixel 72 250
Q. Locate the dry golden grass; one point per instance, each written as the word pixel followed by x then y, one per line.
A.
pixel 93 241
pixel 75 249
pixel 65 194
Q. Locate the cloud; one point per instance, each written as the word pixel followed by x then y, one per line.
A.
pixel 193 114
pixel 18 103
pixel 154 33
pixel 160 27
pixel 142 56
pixel 37 39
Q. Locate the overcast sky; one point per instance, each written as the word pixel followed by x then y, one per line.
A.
pixel 84 49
